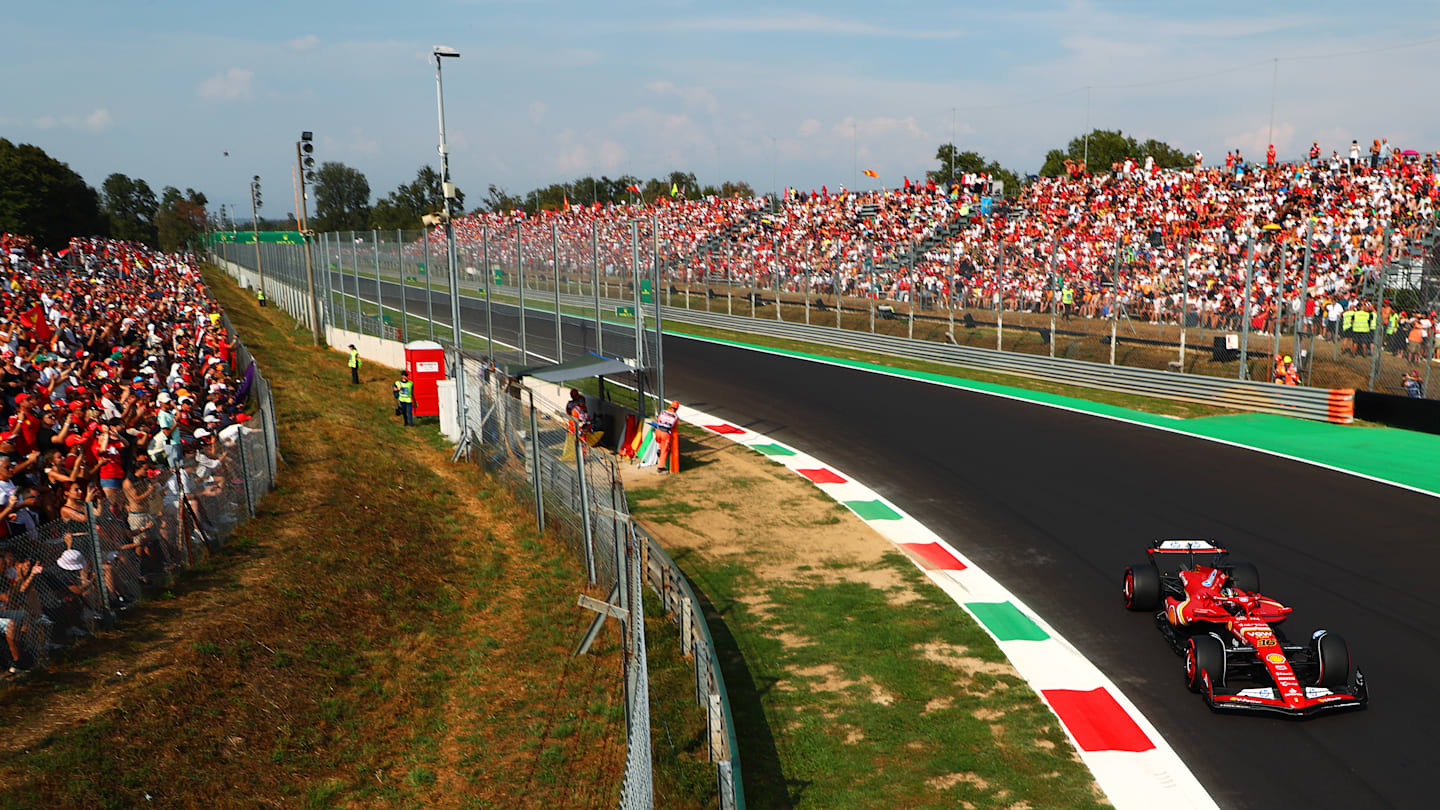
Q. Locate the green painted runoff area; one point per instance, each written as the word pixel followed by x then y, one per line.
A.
pixel 1390 454
pixel 1006 621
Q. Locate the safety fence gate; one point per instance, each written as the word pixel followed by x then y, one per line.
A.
pixel 576 493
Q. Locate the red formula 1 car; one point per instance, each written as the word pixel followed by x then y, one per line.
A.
pixel 1236 656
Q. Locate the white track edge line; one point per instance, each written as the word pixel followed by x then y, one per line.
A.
pixel 1113 771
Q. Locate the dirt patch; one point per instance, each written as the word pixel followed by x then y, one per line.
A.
pixel 950 780
pixel 938 704
pixel 954 656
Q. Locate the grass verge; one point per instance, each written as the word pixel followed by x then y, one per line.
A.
pixel 389 631
pixel 854 681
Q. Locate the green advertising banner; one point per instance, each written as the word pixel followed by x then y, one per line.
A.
pixel 645 292
pixel 248 238
pixel 625 312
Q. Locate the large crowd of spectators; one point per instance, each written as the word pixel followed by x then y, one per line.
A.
pixel 1159 245
pixel 115 370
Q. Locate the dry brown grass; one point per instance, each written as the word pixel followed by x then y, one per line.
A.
pixel 389 631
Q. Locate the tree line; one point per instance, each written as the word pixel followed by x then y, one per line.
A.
pixel 47 200
pixel 342 196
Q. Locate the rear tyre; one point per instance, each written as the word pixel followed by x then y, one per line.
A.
pixel 1141 587
pixel 1245 576
pixel 1332 657
pixel 1204 654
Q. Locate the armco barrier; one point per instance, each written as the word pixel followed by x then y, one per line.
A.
pixel 1321 404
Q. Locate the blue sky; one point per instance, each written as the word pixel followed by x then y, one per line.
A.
pixel 802 92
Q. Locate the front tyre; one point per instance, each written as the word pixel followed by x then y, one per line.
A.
pixel 1204 655
pixel 1140 587
pixel 1332 658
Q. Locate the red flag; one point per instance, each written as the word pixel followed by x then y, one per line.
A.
pixel 34 320
pixel 566 198
pixel 633 189
pixel 871 173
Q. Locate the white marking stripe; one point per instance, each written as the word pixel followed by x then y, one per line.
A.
pixel 1137 780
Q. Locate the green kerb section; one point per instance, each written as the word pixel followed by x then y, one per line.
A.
pixel 772 449
pixel 872 510
pixel 1399 456
pixel 1006 621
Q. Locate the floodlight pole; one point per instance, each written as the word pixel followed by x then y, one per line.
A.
pixel 447 189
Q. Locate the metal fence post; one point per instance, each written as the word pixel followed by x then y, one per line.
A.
pixel 1279 276
pixel 1301 317
pixel 1114 299
pixel 595 285
pixel 535 467
pixel 429 297
pixel 1185 304
pixel 488 275
pixel 520 279
pixel 91 519
pixel 587 532
pixel 998 300
pixel 355 268
pixel 245 473
pixel 1245 310
pixel 379 298
pixel 1377 335
pixel 555 273
pixel 400 268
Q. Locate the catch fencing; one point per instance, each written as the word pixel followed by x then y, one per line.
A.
pixel 83 571
pixel 592 277
pixel 577 494
pixel 575 490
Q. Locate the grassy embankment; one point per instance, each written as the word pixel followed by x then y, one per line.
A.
pixel 389 631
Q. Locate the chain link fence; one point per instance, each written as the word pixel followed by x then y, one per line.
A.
pixel 576 492
pixel 111 549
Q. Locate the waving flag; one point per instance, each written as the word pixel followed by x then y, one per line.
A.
pixel 34 320
pixel 871 173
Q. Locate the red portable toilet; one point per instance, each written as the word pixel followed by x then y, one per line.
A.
pixel 425 360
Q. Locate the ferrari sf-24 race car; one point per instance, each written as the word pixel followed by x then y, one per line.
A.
pixel 1236 656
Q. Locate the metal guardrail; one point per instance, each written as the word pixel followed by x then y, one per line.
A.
pixel 1325 405
pixel 667 580
pixel 1321 404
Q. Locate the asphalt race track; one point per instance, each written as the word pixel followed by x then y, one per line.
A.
pixel 1054 504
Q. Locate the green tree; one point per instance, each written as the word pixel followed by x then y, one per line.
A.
pixel 733 188
pixel 180 219
pixel 342 198
pixel 403 207
pixel 44 198
pixel 1107 148
pixel 130 206
pixel 954 163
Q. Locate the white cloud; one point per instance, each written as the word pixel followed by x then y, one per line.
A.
pixel 305 43
pixel 537 112
pixel 612 155
pixel 804 24
pixel 809 128
pixel 693 96
pixel 232 85
pixel 98 121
